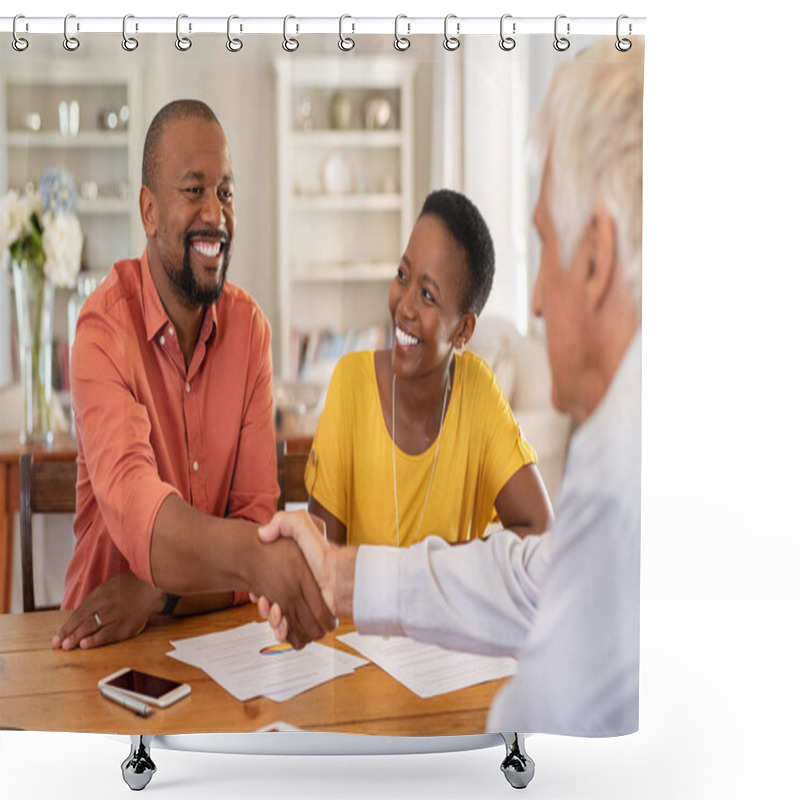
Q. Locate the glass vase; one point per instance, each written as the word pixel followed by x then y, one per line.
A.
pixel 34 297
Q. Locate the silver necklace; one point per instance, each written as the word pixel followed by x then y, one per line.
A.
pixel 433 467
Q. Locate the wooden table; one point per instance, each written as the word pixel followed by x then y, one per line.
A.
pixel 62 449
pixel 51 690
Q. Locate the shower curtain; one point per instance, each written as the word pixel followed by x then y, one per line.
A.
pixel 335 142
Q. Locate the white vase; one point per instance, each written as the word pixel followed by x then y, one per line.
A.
pixel 34 295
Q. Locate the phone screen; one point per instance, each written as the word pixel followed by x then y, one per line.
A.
pixel 142 683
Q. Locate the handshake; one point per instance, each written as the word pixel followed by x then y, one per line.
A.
pixel 332 567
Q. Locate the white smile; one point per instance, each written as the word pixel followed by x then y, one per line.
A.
pixel 404 339
pixel 208 249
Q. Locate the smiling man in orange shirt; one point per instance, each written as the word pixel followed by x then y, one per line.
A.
pixel 172 390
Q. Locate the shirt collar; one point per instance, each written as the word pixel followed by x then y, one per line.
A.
pixel 155 316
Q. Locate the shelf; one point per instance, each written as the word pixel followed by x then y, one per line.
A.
pixel 330 138
pixel 54 140
pixel 349 202
pixel 337 253
pixel 104 205
pixel 337 272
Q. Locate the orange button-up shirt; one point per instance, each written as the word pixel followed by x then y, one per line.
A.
pixel 146 426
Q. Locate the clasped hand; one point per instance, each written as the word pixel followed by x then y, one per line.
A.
pixel 309 534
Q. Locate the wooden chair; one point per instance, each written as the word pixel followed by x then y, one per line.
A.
pixel 49 487
pixel 291 476
pixel 45 487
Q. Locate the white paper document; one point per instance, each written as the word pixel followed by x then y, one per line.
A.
pixel 248 661
pixel 427 669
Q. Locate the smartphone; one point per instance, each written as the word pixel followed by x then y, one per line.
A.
pixel 154 689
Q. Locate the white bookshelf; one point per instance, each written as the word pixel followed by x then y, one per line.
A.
pixel 105 163
pixel 339 245
pixel 102 161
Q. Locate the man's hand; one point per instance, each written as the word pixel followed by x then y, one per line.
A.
pixel 308 532
pixel 333 567
pixel 286 582
pixel 124 605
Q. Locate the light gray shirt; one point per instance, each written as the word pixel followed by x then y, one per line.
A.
pixel 565 604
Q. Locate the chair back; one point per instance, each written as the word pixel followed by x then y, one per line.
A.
pixel 291 476
pixel 45 487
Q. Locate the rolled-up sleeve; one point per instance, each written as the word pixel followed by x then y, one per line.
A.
pixel 115 432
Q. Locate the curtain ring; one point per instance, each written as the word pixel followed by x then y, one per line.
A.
pixel 71 43
pixel 623 45
pixel 183 43
pixel 561 43
pixel 290 44
pixel 507 43
pixel 451 43
pixel 345 42
pixel 18 42
pixel 401 43
pixel 233 44
pixel 129 43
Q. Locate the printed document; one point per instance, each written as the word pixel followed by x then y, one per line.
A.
pixel 427 669
pixel 248 661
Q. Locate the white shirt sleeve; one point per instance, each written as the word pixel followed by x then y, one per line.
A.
pixel 481 597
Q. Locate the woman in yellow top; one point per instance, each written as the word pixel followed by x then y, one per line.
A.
pixel 419 440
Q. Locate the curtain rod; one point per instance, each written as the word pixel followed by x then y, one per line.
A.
pixel 74 25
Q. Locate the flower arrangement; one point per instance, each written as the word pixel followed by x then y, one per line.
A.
pixel 41 233
pixel 41 230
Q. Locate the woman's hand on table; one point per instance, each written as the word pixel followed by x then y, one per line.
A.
pixel 116 610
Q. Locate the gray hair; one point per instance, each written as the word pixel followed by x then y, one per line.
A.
pixel 590 125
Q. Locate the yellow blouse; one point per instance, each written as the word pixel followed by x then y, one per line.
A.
pixel 349 470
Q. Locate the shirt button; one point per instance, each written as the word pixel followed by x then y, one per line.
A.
pixel 188 388
pixel 162 340
pixel 171 332
pixel 195 466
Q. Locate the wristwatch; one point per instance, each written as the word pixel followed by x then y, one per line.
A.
pixel 169 605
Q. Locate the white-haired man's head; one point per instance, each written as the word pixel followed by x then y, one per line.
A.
pixel 590 131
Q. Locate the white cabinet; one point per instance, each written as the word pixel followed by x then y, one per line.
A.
pixel 79 119
pixel 344 161
pixel 83 120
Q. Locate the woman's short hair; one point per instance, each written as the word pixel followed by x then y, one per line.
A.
pixel 468 227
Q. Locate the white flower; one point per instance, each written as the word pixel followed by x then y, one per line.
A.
pixel 63 242
pixel 15 217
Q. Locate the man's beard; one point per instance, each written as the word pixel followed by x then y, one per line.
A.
pixel 185 282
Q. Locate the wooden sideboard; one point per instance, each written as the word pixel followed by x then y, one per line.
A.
pixel 62 449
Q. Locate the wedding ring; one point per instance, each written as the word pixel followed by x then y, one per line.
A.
pixel 98 621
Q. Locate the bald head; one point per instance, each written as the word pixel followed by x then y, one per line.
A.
pixel 172 112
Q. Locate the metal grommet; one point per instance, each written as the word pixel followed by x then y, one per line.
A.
pixel 183 43
pixel 506 42
pixel 401 43
pixel 561 43
pixel 290 44
pixel 233 44
pixel 623 45
pixel 345 42
pixel 19 43
pixel 129 43
pixel 71 43
pixel 451 42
